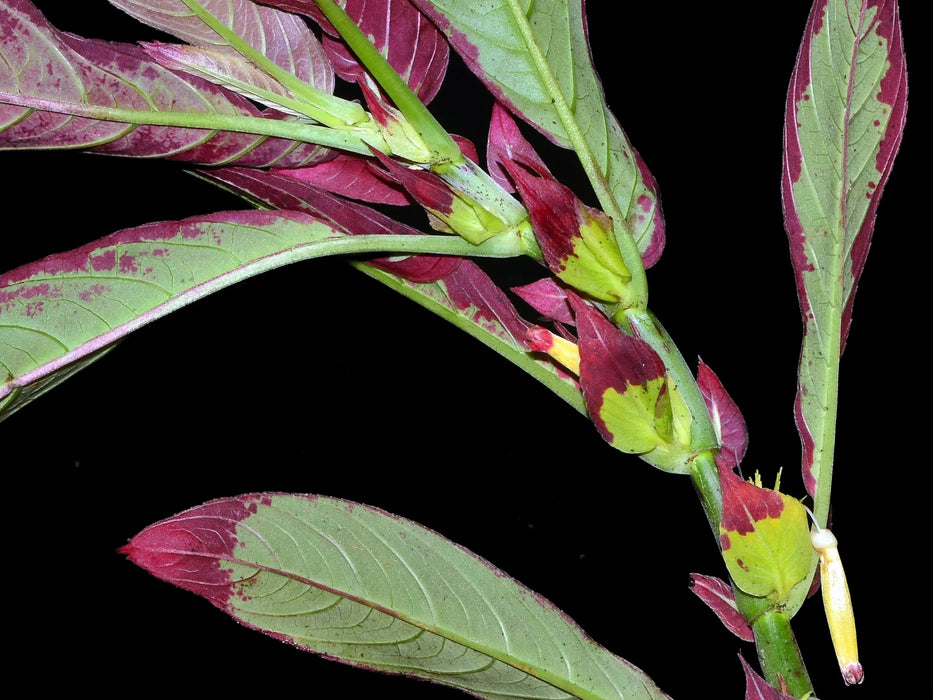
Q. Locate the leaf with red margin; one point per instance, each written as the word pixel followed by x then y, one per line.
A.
pixel 43 65
pixel 493 45
pixel 279 190
pixel 843 125
pixel 765 538
pixel 371 589
pixel 727 419
pixel 757 688
pixel 65 308
pixel 718 595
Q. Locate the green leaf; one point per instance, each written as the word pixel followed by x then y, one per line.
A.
pixel 64 308
pixel 375 590
pixel 845 117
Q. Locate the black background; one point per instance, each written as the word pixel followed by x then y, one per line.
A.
pixel 316 379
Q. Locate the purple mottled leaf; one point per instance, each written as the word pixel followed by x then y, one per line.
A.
pixel 720 598
pixel 727 419
pixel 283 38
pixel 352 176
pixel 410 42
pixel 47 70
pixel 843 124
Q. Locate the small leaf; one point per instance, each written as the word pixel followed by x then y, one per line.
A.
pixel 731 430
pixel 505 143
pixel 352 176
pixel 765 538
pixel 720 598
pixel 547 298
pixel 371 589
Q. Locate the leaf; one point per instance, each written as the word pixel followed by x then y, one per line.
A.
pixel 506 143
pixel 452 287
pixel 352 176
pixel 731 431
pixel 66 307
pixel 411 44
pixel 61 90
pixel 497 45
pixel 281 37
pixel 371 589
pixel 228 70
pixel 765 538
pixel 720 598
pixel 843 125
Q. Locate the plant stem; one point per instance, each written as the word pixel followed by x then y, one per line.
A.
pixel 210 121
pixel 434 135
pixel 327 109
pixel 779 654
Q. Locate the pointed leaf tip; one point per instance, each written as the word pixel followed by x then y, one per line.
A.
pixel 362 586
pixel 718 595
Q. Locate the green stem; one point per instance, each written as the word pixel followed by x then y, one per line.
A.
pixel 434 302
pixel 626 242
pixel 779 655
pixel 435 137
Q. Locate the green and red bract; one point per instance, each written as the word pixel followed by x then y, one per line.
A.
pixel 576 240
pixel 629 396
pixel 844 120
pixel 368 588
pixel 765 538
